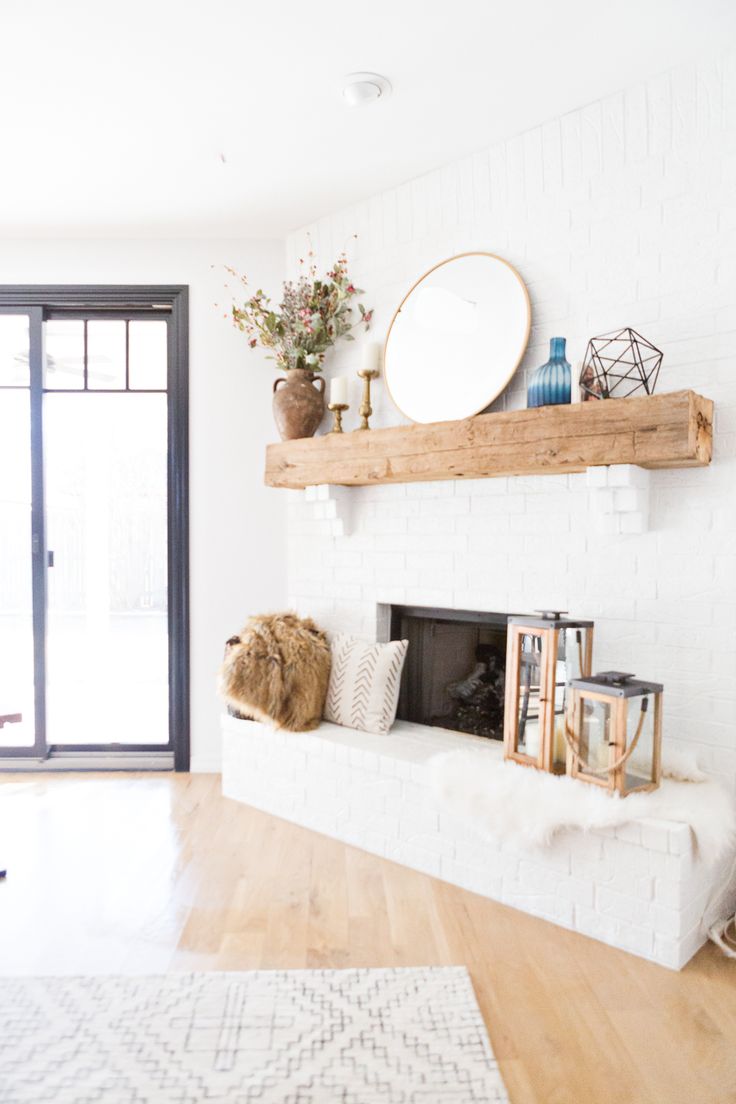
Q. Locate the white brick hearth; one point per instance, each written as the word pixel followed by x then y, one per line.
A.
pixel 639 887
pixel 619 214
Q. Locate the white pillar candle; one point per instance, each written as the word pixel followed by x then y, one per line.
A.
pixel 531 739
pixel 372 357
pixel 598 751
pixel 339 391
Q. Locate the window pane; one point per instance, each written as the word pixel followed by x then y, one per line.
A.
pixel 105 355
pixel 147 355
pixel 106 500
pixel 64 341
pixel 16 619
pixel 14 350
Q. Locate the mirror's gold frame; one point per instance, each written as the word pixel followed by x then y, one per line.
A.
pixel 457 257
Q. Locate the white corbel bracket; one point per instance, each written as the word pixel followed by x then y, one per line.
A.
pixel 619 497
pixel 330 505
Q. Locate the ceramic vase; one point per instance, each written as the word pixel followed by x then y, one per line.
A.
pixel 298 406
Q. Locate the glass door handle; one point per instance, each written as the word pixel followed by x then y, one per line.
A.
pixel 50 557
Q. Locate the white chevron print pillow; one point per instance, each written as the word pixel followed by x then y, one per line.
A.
pixel 364 683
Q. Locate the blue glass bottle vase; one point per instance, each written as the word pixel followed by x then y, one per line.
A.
pixel 551 384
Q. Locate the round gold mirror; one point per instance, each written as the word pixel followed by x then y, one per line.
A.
pixel 457 338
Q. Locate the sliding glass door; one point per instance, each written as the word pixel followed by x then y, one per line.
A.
pixel 17 662
pixel 105 448
pixel 93 609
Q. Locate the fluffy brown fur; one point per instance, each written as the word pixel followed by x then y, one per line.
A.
pixel 277 670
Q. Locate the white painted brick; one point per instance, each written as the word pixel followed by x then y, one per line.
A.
pixel 628 475
pixel 681 839
pixel 637 521
pixel 626 500
pixel 629 909
pixel 670 894
pixel 416 857
pixel 597 477
pixel 627 856
pixel 563 912
pixel 655 836
pixel 628 221
pixel 470 877
pixel 630 832
pixel 645 887
pixel 536 878
pixel 608 524
pixel 583 846
pixel 667 951
pixel 597 925
pixel 418 822
pixel 577 891
pixel 635 939
pixel 668 921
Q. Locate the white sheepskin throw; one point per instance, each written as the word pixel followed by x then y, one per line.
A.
pixel 509 800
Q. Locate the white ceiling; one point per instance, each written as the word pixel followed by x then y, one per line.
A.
pixel 114 116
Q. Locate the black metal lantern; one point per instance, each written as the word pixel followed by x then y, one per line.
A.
pixel 614 732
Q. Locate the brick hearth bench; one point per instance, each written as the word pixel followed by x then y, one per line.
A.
pixel 639 887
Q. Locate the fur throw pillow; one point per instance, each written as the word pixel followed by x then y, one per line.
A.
pixel 277 671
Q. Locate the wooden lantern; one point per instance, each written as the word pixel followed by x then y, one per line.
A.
pixel 542 655
pixel 614 732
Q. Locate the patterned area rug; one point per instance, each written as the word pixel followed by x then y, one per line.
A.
pixel 405 1036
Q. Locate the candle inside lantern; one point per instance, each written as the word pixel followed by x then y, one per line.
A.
pixel 598 754
pixel 531 739
pixel 339 391
pixel 372 357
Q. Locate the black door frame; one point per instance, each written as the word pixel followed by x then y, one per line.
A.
pixel 172 300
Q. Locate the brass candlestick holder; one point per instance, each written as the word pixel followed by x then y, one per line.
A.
pixel 337 409
pixel 366 374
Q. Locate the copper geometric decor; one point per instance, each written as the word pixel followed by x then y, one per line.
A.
pixel 618 364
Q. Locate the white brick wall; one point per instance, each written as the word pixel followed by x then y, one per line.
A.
pixel 640 887
pixel 622 213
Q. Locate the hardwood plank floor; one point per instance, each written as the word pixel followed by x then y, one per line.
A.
pixel 156 872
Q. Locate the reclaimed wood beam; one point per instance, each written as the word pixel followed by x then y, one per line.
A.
pixel 653 431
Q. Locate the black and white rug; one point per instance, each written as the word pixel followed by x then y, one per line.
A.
pixel 403 1036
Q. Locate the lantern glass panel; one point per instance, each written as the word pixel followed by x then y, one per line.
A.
pixel 570 655
pixel 528 731
pixel 595 734
pixel 640 767
pixel 570 665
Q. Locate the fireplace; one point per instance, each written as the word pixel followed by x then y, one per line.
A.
pixel 454 670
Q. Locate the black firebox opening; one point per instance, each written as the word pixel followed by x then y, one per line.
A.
pixel 454 670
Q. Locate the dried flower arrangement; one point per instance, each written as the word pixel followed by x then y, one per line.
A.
pixel 313 314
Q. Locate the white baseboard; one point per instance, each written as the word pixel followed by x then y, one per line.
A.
pixel 206 764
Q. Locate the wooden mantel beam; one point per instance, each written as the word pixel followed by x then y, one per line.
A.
pixel 654 431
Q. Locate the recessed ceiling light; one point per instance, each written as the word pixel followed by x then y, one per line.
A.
pixel 360 89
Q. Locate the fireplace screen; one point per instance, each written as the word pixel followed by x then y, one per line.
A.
pixel 454 670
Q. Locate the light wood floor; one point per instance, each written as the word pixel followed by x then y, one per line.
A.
pixel 118 873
